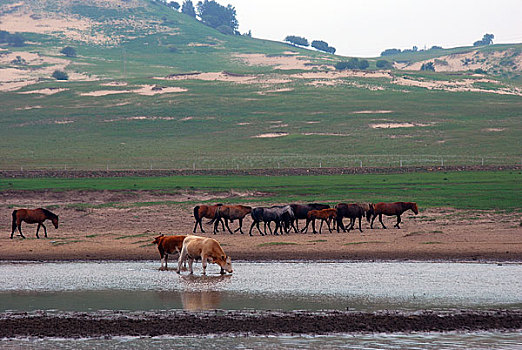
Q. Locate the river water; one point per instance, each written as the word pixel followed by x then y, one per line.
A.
pixel 361 286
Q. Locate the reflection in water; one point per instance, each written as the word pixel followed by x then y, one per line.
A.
pixel 201 293
pixel 195 301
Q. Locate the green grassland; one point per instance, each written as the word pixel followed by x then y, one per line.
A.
pixel 499 190
pixel 215 124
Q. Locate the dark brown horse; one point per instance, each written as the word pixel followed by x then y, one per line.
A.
pixel 33 216
pixel 231 213
pixel 391 209
pixel 352 211
pixel 205 211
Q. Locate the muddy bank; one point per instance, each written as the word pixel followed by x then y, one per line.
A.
pixel 76 325
pixel 258 172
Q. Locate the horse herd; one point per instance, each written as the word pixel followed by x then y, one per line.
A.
pixel 286 217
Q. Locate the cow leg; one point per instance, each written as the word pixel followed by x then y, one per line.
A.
pixel 204 264
pixel 398 221
pixel 380 219
pixel 162 257
pixel 182 258
pixel 191 262
pixel 166 260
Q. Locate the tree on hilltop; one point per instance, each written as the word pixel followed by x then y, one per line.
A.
pixel 188 8
pixel 487 39
pixel 218 16
pixel 323 46
pixel 297 40
pixel 69 51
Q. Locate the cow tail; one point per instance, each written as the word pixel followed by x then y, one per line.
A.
pixel 14 219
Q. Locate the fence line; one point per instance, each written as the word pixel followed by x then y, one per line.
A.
pixel 272 162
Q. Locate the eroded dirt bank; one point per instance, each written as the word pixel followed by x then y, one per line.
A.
pixel 76 325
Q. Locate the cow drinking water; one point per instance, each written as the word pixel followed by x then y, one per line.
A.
pixel 206 249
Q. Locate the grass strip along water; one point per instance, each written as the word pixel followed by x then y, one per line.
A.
pixel 483 190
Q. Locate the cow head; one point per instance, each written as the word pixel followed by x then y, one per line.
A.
pixel 157 239
pixel 226 264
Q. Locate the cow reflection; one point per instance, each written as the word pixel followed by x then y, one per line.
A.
pixel 200 300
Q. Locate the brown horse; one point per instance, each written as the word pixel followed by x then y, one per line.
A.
pixel 231 212
pixel 391 209
pixel 205 211
pixel 325 215
pixel 33 216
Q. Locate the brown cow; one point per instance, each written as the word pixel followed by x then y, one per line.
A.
pixel 206 249
pixel 325 215
pixel 168 245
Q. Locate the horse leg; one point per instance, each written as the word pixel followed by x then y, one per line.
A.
pixel 269 228
pixel 251 227
pixel 398 221
pixel 350 225
pixel 14 229
pixel 328 223
pixel 340 224
pixel 321 226
pixel 296 227
pixel 228 228
pixel 45 230
pixel 313 226
pixel 223 226
pixel 373 218
pixel 305 229
pixel 359 224
pixel 240 226
pixel 380 219
pixel 38 229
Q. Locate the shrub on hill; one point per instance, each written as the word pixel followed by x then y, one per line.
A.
pixel 60 75
pixel 353 63
pixel 16 40
pixel 384 64
pixel 487 39
pixel 428 66
pixel 69 51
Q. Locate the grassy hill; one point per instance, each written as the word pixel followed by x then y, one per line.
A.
pixel 151 87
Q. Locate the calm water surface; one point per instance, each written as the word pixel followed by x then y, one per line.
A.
pixel 364 286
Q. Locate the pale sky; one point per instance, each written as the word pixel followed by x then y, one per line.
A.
pixel 364 28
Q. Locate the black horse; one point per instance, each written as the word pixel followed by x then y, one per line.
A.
pixel 282 215
pixel 301 212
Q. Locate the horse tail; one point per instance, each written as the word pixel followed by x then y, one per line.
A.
pixel 196 213
pixel 14 219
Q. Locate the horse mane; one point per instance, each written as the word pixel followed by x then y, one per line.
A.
pixel 49 214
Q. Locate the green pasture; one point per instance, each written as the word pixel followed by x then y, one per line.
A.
pixel 217 125
pixel 500 190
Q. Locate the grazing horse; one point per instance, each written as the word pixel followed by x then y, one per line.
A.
pixel 352 211
pixel 281 215
pixel 33 216
pixel 391 209
pixel 231 212
pixel 325 215
pixel 301 212
pixel 205 211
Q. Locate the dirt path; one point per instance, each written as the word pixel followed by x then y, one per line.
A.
pixel 125 233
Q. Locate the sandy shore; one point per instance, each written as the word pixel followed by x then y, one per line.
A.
pixel 126 233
